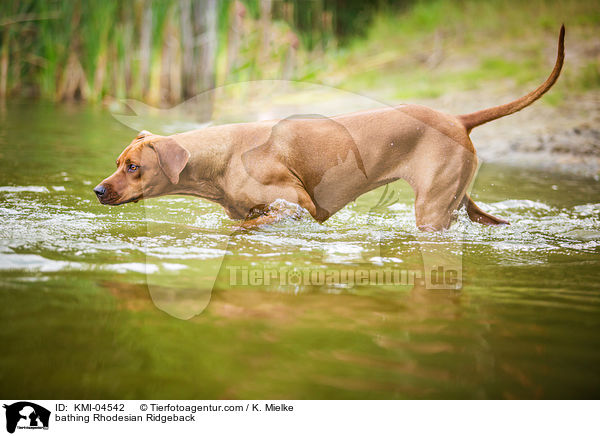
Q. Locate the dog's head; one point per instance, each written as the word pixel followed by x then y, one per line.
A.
pixel 148 167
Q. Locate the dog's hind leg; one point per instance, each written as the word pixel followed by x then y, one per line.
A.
pixel 479 216
pixel 434 209
pixel 441 185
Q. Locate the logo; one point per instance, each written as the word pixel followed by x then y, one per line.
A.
pixel 26 415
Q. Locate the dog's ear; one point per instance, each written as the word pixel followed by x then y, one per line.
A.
pixel 172 157
pixel 143 134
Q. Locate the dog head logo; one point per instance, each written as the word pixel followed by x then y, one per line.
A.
pixel 26 415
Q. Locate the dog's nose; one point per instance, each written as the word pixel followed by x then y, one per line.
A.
pixel 100 190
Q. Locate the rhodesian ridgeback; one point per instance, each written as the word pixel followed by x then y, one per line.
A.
pixel 321 164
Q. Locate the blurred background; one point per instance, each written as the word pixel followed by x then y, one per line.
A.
pixel 86 291
pixel 163 52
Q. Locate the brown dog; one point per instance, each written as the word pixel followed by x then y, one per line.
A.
pixel 319 163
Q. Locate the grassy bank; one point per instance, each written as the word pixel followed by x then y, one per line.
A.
pixel 164 52
pixel 441 46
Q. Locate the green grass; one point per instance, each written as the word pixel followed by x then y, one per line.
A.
pixel 476 43
pixel 421 49
pixel 590 76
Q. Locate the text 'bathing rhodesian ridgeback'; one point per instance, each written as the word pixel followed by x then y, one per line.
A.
pixel 321 164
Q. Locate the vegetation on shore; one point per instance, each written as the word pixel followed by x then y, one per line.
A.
pixel 160 51
pixel 164 52
pixel 437 47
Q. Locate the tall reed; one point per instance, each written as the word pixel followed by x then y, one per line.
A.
pixel 160 51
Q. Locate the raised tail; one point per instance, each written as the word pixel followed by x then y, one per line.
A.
pixel 483 116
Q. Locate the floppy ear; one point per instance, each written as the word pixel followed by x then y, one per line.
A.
pixel 172 157
pixel 143 134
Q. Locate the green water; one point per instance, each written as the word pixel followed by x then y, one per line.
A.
pixel 92 297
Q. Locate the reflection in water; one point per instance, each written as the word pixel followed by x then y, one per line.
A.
pixel 76 277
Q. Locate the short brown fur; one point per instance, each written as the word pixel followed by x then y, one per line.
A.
pixel 319 163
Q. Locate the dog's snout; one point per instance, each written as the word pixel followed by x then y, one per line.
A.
pixel 100 190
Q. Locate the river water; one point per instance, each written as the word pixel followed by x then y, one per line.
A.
pixel 167 299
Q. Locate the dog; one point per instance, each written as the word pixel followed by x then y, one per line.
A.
pixel 321 164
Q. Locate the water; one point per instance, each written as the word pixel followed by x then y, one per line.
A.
pixel 92 297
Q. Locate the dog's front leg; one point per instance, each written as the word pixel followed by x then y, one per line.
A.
pixel 270 214
pixel 264 215
pixel 267 219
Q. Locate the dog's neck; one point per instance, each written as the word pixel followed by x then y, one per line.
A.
pixel 202 174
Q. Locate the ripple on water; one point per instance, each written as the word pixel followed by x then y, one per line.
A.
pixel 35 228
pixel 37 189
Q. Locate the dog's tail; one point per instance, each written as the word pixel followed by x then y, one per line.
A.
pixel 483 116
pixel 479 216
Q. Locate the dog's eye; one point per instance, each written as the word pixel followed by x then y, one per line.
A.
pixel 132 168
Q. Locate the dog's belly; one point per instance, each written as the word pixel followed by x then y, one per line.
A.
pixel 374 158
